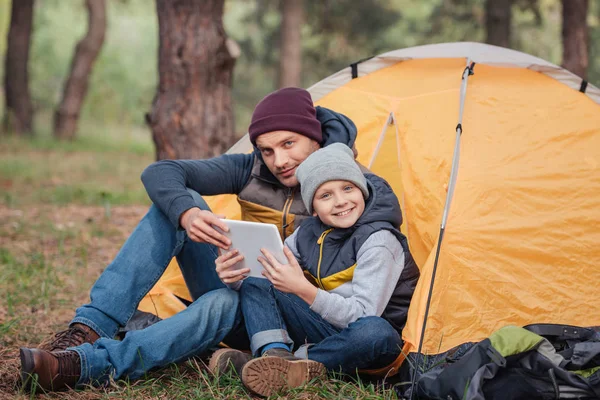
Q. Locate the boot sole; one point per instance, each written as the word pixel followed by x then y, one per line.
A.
pixel 267 376
pixel 27 366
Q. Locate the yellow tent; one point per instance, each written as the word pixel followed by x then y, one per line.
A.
pixel 495 156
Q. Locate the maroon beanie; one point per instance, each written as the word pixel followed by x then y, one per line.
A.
pixel 288 109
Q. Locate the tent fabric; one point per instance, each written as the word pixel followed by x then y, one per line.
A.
pixel 521 240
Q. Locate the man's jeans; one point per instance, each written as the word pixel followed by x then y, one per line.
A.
pixel 273 316
pixel 137 267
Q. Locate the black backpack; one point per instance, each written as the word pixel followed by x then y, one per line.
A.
pixel 541 361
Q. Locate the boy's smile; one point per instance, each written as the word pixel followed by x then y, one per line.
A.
pixel 338 204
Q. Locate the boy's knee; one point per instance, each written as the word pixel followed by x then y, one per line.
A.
pixel 379 330
pixel 252 283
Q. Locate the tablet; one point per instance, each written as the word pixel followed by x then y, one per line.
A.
pixel 249 238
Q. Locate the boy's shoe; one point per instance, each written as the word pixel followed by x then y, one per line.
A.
pixel 279 369
pixel 75 335
pixel 225 360
pixel 55 371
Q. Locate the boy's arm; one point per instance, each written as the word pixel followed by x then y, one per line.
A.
pixel 380 261
pixel 166 181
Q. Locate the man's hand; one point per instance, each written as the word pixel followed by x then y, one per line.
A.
pixel 287 278
pixel 225 262
pixel 199 226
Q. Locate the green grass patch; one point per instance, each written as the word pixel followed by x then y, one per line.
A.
pixel 32 282
pixel 190 380
pixel 91 137
pixel 34 171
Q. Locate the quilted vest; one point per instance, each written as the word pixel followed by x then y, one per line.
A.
pixel 264 199
pixel 329 255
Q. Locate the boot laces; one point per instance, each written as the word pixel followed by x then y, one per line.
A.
pixel 68 338
pixel 69 363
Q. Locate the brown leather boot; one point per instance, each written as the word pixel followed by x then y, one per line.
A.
pixel 279 369
pixel 76 335
pixel 224 361
pixel 55 371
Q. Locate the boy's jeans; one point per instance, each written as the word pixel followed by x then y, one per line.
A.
pixel 137 267
pixel 273 316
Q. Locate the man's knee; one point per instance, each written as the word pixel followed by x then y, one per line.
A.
pixel 200 202
pixel 217 303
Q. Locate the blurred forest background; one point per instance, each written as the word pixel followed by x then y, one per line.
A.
pixel 332 34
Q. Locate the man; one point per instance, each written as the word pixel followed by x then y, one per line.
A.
pixel 285 130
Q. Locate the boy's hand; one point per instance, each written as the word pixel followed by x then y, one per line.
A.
pixel 225 262
pixel 287 278
pixel 199 225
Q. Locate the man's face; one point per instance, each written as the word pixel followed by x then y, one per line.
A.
pixel 283 151
pixel 338 204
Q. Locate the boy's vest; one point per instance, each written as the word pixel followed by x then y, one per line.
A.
pixel 329 255
pixel 264 199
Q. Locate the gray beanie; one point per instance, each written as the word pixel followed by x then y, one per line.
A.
pixel 332 163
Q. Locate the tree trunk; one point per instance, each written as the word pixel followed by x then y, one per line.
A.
pixel 192 115
pixel 86 52
pixel 497 22
pixel 18 115
pixel 575 36
pixel 290 46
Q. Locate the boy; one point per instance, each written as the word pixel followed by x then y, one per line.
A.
pixel 342 301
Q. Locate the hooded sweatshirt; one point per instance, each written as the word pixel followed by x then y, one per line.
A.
pixel 364 270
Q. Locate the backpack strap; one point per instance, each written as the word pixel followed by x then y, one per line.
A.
pixel 561 332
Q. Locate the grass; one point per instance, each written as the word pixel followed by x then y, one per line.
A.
pixel 33 282
pixel 101 167
pixel 65 210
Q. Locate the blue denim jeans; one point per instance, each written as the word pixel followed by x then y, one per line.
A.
pixel 201 326
pixel 273 316
pixel 116 294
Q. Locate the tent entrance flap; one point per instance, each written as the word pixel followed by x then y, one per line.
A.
pixel 385 162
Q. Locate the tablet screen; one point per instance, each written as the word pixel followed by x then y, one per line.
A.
pixel 248 238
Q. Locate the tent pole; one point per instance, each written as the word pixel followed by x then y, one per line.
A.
pixel 453 172
pixel 398 154
pixel 388 121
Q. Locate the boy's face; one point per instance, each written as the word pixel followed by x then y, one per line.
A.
pixel 283 151
pixel 338 204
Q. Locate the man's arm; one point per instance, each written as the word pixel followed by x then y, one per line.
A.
pixel 380 262
pixel 166 181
